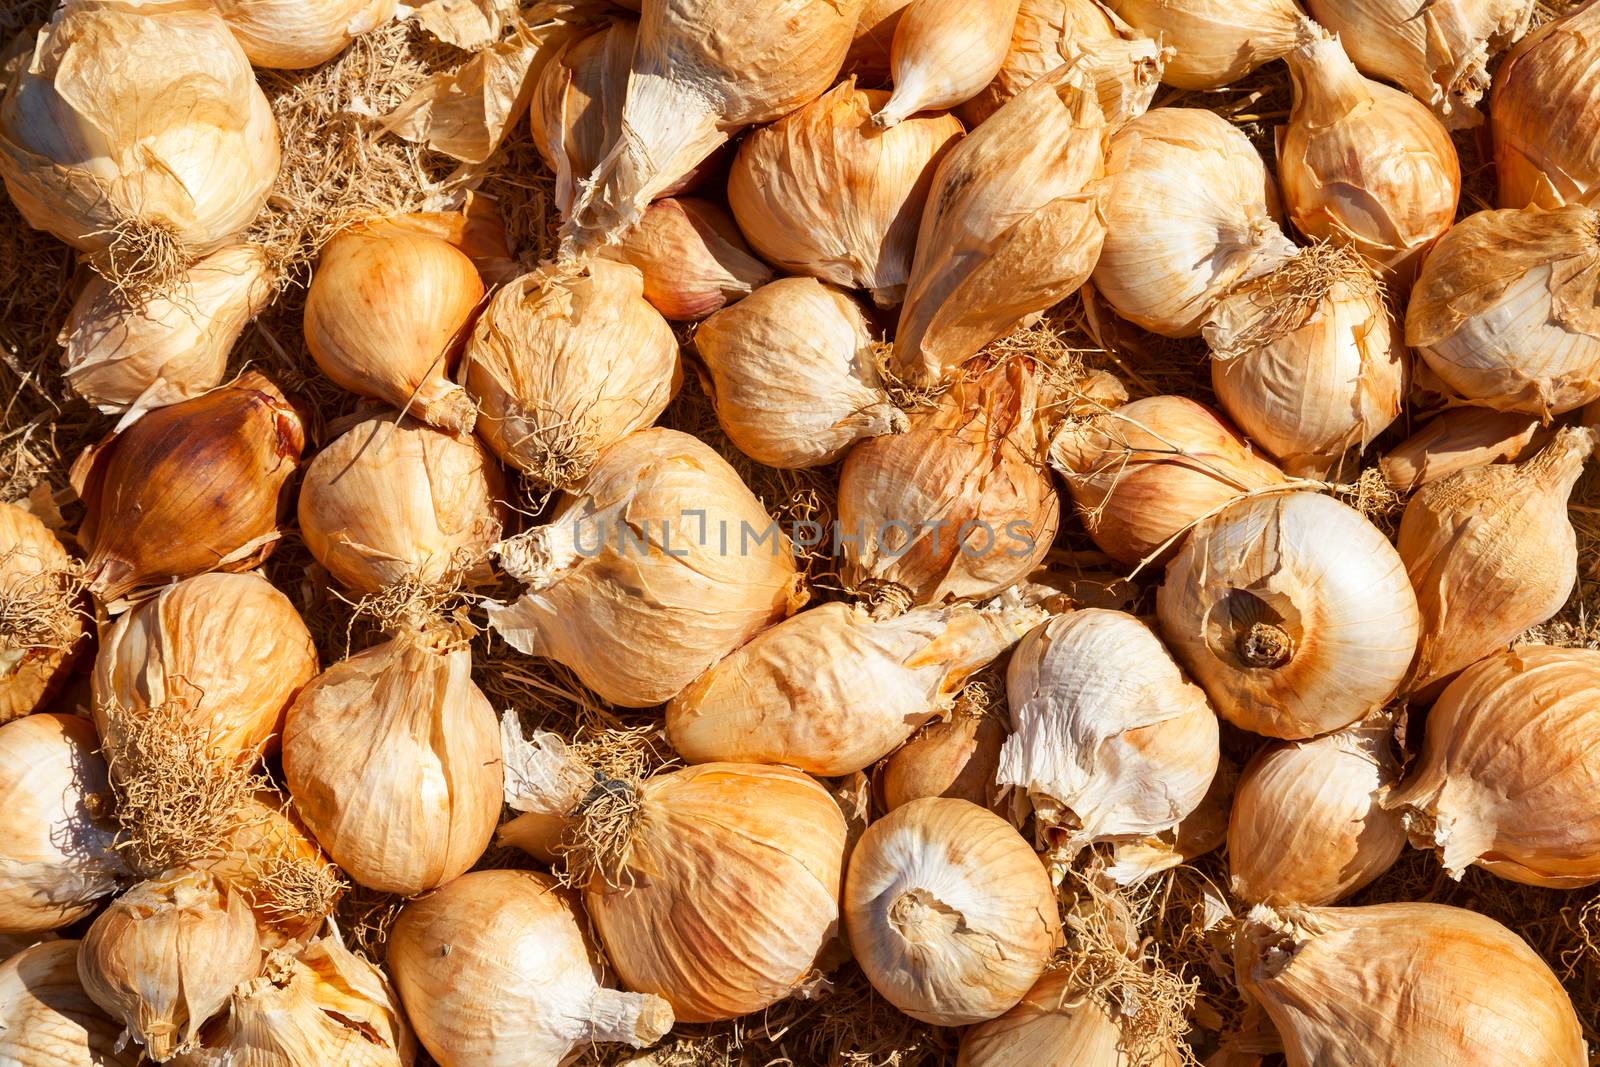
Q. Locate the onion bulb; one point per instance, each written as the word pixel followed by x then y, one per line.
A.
pixel 1491 552
pixel 1292 611
pixel 659 511
pixel 393 759
pixel 1505 311
pixel 224 653
pixel 56 861
pixel 950 913
pixel 1190 213
pixel 1404 984
pixel 823 193
pixel 1203 830
pixel 391 500
pixel 1545 95
pixel 43 618
pixel 1364 164
pixel 954 757
pixel 1307 359
pixel 1054 1026
pixel 496 970
pixel 125 355
pixel 296 34
pixel 195 487
pixel 692 257
pixel 944 53
pixel 1012 226
pixel 563 367
pixel 1308 823
pixel 164 957
pixel 1107 737
pixel 1508 772
pixel 961 505
pixel 777 700
pixel 1456 440
pixel 1217 41
pixel 793 378
pixel 386 315
pixel 1142 474
pixel 136 132
pixel 47 1020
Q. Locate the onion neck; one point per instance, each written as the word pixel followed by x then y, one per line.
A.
pixel 1327 85
pixel 636 1019
pixel 1264 644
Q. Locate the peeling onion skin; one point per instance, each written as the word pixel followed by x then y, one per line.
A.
pixel 1542 110
pixel 1053 1026
pixel 47 1020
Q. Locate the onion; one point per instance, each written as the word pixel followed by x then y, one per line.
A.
pixel 1545 96
pixel 1054 1027
pixel 692 257
pixel 46 1019
pixel 1217 42
pixel 44 621
pixel 944 52
pixel 295 34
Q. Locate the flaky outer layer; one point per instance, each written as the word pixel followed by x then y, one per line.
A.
pixel 1217 41
pixel 295 34
pixel 1054 1026
pixel 496 970
pixel 35 575
pixel 230 650
pixel 728 891
pixel 1506 309
pixel 1143 473
pixel 56 861
pixel 576 110
pixel 1292 611
pixel 1012 226
pixel 659 566
pixel 393 760
pixel 1308 825
pixel 950 913
pixel 693 258
pixel 824 193
pixel 961 505
pixel 832 690
pixel 1546 95
pixel 1108 738
pixel 1459 439
pixel 1190 212
pixel 1414 985
pixel 1491 552
pixel 793 378
pixel 944 52
pixel 47 1020
pixel 1509 769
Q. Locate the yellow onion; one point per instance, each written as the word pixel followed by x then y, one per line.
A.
pixel 393 759
pixel 195 487
pixel 961 505
pixel 564 367
pixel 1054 1026
pixel 1545 96
pixel 1012 227
pixel 692 257
pixel 1507 309
pixel 950 913
pixel 391 499
pixel 1438 53
pixel 1123 63
pixel 793 378
pixel 164 957
pixel 1457 440
pixel 944 53
pixel 136 132
pixel 1307 359
pixel 56 861
pixel 1190 212
pixel 1108 739
pixel 701 70
pixel 39 598
pixel 776 700
pixel 295 34
pixel 1404 984
pixel 496 970
pixel 386 315
pixel 323 1004
pixel 1508 772
pixel 660 511
pixel 1142 474
pixel 1292 611
pixel 1364 164
pixel 1491 552
pixel 1217 41
pixel 124 356
pixel 1308 823
pixel 224 653
pixel 954 757
pixel 823 193
pixel 874 38
pixel 47 1020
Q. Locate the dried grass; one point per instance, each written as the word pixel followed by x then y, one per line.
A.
pixel 293 890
